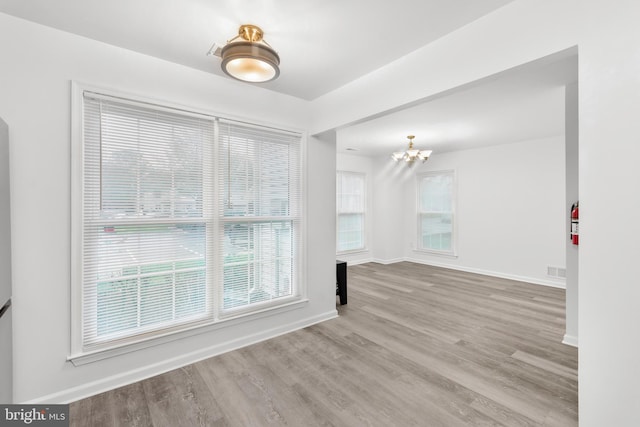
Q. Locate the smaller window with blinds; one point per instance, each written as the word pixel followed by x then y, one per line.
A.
pixel 436 202
pixel 259 214
pixel 351 209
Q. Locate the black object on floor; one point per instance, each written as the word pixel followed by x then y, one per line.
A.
pixel 341 281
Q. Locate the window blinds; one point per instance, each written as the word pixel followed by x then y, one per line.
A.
pixel 145 219
pixel 163 247
pixel 435 211
pixel 259 206
pixel 351 209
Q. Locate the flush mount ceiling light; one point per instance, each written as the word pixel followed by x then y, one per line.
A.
pixel 248 57
pixel 412 154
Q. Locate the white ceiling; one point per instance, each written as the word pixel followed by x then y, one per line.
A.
pixel 522 104
pixel 325 44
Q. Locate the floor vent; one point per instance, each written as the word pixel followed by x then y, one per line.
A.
pixel 558 272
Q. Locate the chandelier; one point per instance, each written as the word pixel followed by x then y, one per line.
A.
pixel 412 154
pixel 248 57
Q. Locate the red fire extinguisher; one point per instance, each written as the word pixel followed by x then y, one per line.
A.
pixel 574 224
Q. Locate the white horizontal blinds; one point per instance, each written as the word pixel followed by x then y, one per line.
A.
pixel 350 202
pixel 147 223
pixel 259 207
pixel 436 211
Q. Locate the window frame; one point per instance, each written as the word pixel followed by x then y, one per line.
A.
pixel 254 219
pixel 79 353
pixel 363 213
pixel 454 220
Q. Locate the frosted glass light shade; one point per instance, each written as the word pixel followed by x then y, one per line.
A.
pixel 250 62
pixel 424 154
pixel 398 155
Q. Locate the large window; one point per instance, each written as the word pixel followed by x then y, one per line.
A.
pixel 350 203
pixel 436 198
pixel 187 219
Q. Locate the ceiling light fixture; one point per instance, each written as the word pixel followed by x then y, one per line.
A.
pixel 249 58
pixel 412 154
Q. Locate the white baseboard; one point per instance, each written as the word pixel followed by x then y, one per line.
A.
pixel 534 280
pixel 358 261
pixel 387 261
pixel 115 381
pixel 570 340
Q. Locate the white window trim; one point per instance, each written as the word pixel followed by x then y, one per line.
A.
pixel 101 354
pixel 453 253
pixel 353 251
pixel 79 356
pixel 364 247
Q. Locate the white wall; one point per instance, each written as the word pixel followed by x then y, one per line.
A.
pixel 510 215
pixel 510 210
pixel 388 206
pixel 609 315
pixel 572 196
pixel 6 355
pixel 321 223
pixel 5 216
pixel 364 165
pixel 38 64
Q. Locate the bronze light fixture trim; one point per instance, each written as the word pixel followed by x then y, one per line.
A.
pixel 249 58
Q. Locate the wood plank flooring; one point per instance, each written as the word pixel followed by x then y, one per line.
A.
pixel 415 346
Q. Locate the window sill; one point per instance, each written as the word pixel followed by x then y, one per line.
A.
pixel 444 254
pixel 84 358
pixel 352 252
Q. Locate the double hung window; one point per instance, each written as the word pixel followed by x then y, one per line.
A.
pixel 186 220
pixel 436 199
pixel 259 213
pixel 351 207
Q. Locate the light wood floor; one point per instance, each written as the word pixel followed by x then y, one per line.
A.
pixel 415 346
